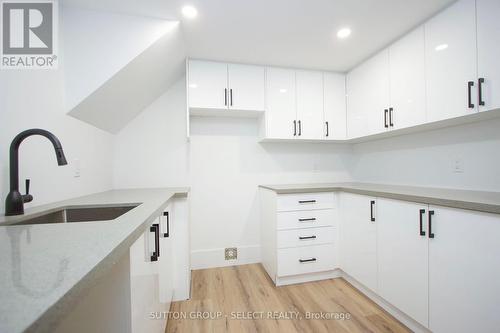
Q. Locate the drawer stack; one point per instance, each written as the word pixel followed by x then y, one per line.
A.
pixel 299 235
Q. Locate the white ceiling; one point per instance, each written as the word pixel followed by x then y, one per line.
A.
pixel 296 33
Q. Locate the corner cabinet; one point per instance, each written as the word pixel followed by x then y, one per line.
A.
pixel 358 238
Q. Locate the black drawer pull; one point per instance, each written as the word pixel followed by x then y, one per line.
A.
pixel 307 260
pixel 480 90
pixel 308 219
pixel 422 232
pixel 390 117
pixel 431 234
pixel 470 84
pixel 385 118
pixel 156 229
pixel 306 201
pixel 372 218
pixel 307 237
pixel 167 217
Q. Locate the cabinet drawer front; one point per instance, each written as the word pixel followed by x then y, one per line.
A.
pixel 305 201
pixel 305 219
pixel 307 259
pixel 306 237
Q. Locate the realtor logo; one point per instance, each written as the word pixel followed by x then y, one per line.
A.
pixel 29 36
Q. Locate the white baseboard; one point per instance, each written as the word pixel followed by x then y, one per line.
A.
pixel 211 258
pixel 294 279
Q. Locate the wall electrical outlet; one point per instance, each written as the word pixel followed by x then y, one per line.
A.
pixel 458 165
pixel 231 253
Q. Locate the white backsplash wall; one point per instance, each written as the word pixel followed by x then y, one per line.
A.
pixel 223 163
pixel 431 158
pixel 33 99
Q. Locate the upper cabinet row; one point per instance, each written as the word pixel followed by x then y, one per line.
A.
pixel 444 69
pixel 299 104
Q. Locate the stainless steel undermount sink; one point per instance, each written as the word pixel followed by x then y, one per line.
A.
pixel 79 214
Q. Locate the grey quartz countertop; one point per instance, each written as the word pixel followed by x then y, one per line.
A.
pixel 45 268
pixel 488 202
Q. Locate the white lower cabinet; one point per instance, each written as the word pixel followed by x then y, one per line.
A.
pixel 145 282
pixel 464 271
pixel 402 256
pixel 299 236
pixel 358 238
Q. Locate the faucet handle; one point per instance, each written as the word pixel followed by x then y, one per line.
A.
pixel 27 197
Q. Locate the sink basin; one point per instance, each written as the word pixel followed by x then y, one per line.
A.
pixel 80 214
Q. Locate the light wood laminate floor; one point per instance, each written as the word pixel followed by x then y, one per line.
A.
pixel 244 299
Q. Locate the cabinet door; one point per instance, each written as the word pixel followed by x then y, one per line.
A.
pixel 144 285
pixel 281 106
pixel 334 106
pixel 208 85
pixel 358 238
pixel 310 104
pixel 407 80
pixel 246 87
pixel 166 265
pixel 402 253
pixel 450 60
pixel 488 48
pixel 368 96
pixel 464 273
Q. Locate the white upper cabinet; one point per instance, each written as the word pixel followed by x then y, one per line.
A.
pixel 464 273
pixel 488 49
pixel 281 112
pixel 246 87
pixel 334 106
pixel 451 64
pixel 358 238
pixel 407 80
pixel 368 97
pixel 402 256
pixel 309 104
pixel 207 85
pixel 216 85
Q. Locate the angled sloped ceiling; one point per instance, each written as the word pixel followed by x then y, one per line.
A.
pixel 116 65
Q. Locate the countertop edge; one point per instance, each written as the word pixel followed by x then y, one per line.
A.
pixel 55 313
pixel 438 201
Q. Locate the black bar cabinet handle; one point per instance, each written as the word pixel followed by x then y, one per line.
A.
pixel 156 229
pixel 372 203
pixel 308 237
pixel 385 118
pixel 422 212
pixel 306 201
pixel 231 96
pixel 480 90
pixel 390 117
pixel 431 234
pixel 309 219
pixel 470 84
pixel 300 128
pixel 225 96
pixel 167 217
pixel 307 260
pixel 327 129
pixel 295 128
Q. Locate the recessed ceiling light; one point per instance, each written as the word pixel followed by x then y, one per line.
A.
pixel 441 47
pixel 343 33
pixel 282 90
pixel 189 12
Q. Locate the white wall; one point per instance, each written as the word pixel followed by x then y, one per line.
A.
pixel 428 159
pixel 223 163
pixel 34 98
